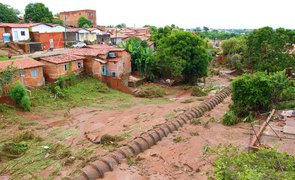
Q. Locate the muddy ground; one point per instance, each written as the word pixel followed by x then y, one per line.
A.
pixel 178 156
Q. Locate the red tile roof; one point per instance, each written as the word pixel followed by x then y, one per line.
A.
pixel 89 52
pixel 23 63
pixel 114 59
pixel 63 58
pixel 107 47
pixel 16 25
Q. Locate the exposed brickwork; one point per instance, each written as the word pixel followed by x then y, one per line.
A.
pixel 44 38
pixel 73 16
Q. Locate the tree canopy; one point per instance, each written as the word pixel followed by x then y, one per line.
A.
pixel 8 14
pixel 84 22
pixel 233 46
pixel 269 49
pixel 122 25
pixel 38 12
pixel 58 21
pixel 141 57
pixel 182 54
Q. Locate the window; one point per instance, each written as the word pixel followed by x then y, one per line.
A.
pixel 22 74
pixel 23 33
pixel 112 55
pixel 113 74
pixel 79 65
pixel 90 14
pixel 66 67
pixel 34 72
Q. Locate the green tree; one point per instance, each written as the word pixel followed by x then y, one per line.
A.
pixel 38 12
pixel 58 21
pixel 141 57
pixel 8 14
pixel 268 49
pixel 182 54
pixel 122 25
pixel 233 46
pixel 82 21
pixel 162 32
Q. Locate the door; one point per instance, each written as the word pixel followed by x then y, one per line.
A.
pixel 51 44
pixel 15 36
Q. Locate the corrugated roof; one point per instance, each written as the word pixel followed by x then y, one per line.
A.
pixel 63 58
pixel 23 63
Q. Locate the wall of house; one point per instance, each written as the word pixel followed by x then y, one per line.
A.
pixel 30 81
pixel 53 71
pixel 122 67
pixel 44 38
pixel 17 36
pixel 116 83
pixel 58 29
pixel 87 37
pixel 2 31
pixel 73 16
pixel 71 36
pixel 41 28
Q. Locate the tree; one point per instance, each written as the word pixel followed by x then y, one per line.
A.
pixel 233 46
pixel 206 29
pixel 84 21
pixel 6 76
pixel 58 21
pixel 8 14
pixel 269 49
pixel 122 25
pixel 38 12
pixel 162 32
pixel 182 54
pixel 141 57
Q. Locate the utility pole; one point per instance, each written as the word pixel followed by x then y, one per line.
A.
pixel 66 43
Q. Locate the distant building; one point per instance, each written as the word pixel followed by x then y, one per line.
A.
pixel 72 17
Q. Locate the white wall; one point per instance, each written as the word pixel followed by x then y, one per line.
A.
pixel 17 34
pixel 81 31
pixel 96 32
pixel 58 29
pixel 41 28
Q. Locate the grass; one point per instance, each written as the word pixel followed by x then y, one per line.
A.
pixel 151 91
pixel 196 121
pixel 4 58
pixel 84 93
pixel 62 134
pixel 178 139
pixel 146 101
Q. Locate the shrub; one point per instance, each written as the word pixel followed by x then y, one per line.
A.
pixel 229 118
pixel 23 136
pixel 59 92
pixel 13 150
pixel 196 91
pixel 257 92
pixel 19 93
pixel 151 91
pixel 230 163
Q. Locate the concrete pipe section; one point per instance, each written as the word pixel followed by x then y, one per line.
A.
pixel 97 169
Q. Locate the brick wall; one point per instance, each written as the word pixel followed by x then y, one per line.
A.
pixel 73 16
pixel 53 71
pixel 30 81
pixel 44 38
pixel 2 31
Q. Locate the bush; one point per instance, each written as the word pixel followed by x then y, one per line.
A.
pixel 257 92
pixel 196 91
pixel 19 93
pixel 25 103
pixel 14 150
pixel 229 118
pixel 230 163
pixel 23 136
pixel 151 91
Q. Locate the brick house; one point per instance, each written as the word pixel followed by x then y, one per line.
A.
pixel 103 60
pixel 71 17
pixel 60 65
pixel 30 71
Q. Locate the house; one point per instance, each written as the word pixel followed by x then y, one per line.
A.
pixel 118 38
pixel 104 60
pixel 60 65
pixel 39 27
pixel 49 40
pixel 18 32
pixel 30 71
pixel 56 27
pixel 80 34
pixel 94 31
pixel 71 17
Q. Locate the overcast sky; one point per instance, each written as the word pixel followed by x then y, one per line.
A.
pixel 184 13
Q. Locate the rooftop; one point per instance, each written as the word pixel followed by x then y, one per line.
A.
pixel 16 25
pixel 23 63
pixel 63 58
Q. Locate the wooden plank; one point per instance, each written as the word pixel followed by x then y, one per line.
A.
pixel 262 128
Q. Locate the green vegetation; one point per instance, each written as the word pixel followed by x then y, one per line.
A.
pixel 6 76
pixel 151 91
pixel 230 163
pixel 197 91
pixel 229 118
pixel 87 92
pixel 19 93
pixel 8 14
pixel 38 12
pixel 182 55
pixel 196 121
pixel 141 57
pixel 178 139
pixel 84 22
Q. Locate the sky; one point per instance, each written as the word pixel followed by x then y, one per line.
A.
pixel 248 14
